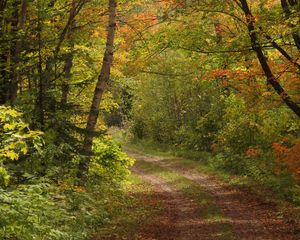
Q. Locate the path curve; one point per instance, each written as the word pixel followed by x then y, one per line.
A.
pixel 251 218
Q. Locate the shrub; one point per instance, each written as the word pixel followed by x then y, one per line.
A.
pixel 16 139
pixel 109 163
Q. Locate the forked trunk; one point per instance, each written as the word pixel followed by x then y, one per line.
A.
pixel 286 9
pixel 263 61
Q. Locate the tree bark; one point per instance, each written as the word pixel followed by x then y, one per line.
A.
pixel 69 59
pixel 65 85
pixel 293 2
pixel 50 71
pixel 263 61
pixel 13 86
pixel 2 8
pixel 282 51
pixel 3 56
pixel 75 9
pixel 103 79
pixel 18 23
pixel 4 78
pixel 40 99
pixel 286 9
pixel 20 45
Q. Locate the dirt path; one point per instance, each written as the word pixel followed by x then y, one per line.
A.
pixel 179 219
pixel 250 217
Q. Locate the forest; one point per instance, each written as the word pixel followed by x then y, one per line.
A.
pixel 149 119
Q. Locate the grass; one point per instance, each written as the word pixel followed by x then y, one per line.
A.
pixel 206 206
pixel 130 212
pixel 198 161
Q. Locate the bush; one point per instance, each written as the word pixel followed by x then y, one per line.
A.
pixel 45 211
pixel 35 212
pixel 109 163
pixel 16 139
pixel 42 200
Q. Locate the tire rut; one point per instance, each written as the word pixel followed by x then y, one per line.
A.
pixel 251 218
pixel 179 219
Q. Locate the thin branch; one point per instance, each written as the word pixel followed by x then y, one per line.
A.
pixel 166 74
pixel 219 51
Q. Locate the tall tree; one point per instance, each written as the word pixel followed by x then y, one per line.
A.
pixel 3 55
pixel 256 46
pixel 18 23
pixel 69 58
pixel 101 85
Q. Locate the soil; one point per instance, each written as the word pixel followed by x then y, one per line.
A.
pixel 249 216
pixel 180 219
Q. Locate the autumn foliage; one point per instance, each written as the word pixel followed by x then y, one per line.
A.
pixel 288 157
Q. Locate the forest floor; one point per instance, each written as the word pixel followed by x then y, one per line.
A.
pixel 197 205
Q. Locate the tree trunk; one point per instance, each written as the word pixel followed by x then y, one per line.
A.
pixel 293 2
pixel 20 44
pixel 18 23
pixel 65 85
pixel 3 56
pixel 69 59
pixel 3 77
pixel 100 87
pixel 75 9
pixel 2 8
pixel 287 12
pixel 51 63
pixel 263 61
pixel 40 98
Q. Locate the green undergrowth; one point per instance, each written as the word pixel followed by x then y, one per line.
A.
pixel 42 198
pixel 202 162
pixel 206 206
pixel 153 148
pixel 130 212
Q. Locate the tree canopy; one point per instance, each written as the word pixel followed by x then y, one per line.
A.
pixel 214 77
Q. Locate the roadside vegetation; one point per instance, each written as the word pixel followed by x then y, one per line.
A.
pixel 214 82
pixel 203 162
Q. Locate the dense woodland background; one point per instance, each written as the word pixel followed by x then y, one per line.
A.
pixel 218 81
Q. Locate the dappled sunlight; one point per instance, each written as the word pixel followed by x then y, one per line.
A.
pixel 243 215
pixel 89 86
